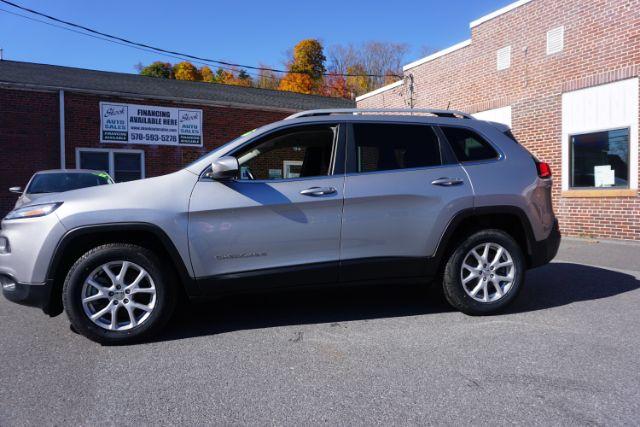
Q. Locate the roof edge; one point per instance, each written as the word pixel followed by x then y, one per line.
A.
pixel 437 54
pixel 380 90
pixel 142 97
pixel 498 12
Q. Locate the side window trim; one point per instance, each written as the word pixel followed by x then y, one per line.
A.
pixel 351 160
pixel 500 154
pixel 446 152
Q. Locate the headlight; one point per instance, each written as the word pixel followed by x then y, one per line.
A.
pixel 33 211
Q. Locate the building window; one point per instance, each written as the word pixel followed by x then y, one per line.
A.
pixel 504 58
pixel 555 40
pixel 600 129
pixel 122 165
pixel 600 159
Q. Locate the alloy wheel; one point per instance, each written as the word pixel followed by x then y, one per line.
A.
pixel 488 272
pixel 118 295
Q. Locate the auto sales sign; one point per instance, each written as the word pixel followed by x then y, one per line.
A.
pixel 151 125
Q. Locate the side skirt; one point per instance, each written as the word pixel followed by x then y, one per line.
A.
pixel 347 273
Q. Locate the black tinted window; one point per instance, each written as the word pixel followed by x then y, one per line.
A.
pixel 59 182
pixel 382 146
pixel 468 146
pixel 600 159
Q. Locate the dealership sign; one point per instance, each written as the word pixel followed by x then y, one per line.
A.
pixel 146 124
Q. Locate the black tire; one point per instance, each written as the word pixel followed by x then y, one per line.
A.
pixel 452 277
pixel 163 280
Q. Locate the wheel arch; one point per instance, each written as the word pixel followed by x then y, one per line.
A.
pixel 79 240
pixel 509 219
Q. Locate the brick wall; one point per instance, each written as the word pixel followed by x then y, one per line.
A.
pixel 601 45
pixel 29 134
pixel 29 139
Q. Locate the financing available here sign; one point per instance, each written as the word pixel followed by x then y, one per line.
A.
pixel 152 125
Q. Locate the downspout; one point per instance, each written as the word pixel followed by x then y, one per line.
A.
pixel 63 162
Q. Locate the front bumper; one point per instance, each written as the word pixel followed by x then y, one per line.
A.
pixel 31 294
pixel 543 251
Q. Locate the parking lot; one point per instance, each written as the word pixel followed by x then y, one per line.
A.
pixel 568 351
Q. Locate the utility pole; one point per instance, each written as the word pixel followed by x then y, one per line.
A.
pixel 0 54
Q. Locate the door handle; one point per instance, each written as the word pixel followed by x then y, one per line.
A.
pixel 318 191
pixel 447 182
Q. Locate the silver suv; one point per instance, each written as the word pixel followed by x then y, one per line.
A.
pixel 322 197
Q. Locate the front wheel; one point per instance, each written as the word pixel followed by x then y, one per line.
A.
pixel 118 293
pixel 484 273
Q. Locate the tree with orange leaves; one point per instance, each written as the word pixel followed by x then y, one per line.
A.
pixel 306 68
pixel 206 74
pixel 301 83
pixel 185 70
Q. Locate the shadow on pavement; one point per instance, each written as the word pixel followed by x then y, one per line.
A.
pixel 550 286
pixel 561 283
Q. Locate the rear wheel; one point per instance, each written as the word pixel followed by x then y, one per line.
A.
pixel 484 273
pixel 118 293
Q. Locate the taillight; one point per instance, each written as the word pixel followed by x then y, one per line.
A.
pixel 544 170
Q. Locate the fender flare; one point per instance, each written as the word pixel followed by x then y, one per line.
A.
pixel 465 214
pixel 187 281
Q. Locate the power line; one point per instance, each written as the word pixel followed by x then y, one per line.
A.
pixel 233 70
pixel 253 73
pixel 171 52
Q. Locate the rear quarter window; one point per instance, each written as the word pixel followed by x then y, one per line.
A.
pixel 468 146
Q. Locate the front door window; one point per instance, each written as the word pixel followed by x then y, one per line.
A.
pixel 292 153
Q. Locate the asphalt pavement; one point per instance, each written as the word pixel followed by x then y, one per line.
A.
pixel 566 352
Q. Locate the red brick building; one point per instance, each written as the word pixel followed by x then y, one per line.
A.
pixel 564 75
pixel 56 117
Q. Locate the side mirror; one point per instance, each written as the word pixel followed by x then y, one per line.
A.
pixel 225 168
pixel 17 190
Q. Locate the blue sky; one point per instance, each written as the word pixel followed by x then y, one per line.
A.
pixel 246 32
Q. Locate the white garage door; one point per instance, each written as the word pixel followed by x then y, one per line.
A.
pixel 499 115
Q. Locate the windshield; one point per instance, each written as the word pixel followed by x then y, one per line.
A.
pixel 59 182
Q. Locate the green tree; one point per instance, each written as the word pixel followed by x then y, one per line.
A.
pixel 157 69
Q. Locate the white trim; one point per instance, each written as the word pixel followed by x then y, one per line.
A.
pixel 498 12
pixel 63 153
pixel 380 90
pixel 597 109
pixel 110 151
pixel 437 54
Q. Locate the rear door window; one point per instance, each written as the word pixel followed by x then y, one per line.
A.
pixel 467 145
pixel 383 146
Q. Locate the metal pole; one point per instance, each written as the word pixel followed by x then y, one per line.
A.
pixel 62 133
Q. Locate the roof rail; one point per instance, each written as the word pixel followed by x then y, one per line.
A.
pixel 357 111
